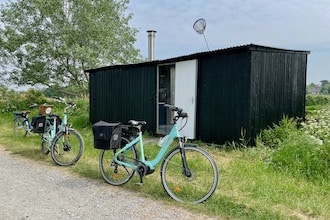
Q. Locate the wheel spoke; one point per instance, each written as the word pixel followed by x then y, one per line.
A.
pixel 21 127
pixel 67 148
pixel 194 183
pixel 112 172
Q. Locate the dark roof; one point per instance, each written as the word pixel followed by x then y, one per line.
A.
pixel 251 47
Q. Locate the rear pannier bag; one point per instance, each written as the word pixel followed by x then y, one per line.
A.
pixel 38 124
pixel 106 135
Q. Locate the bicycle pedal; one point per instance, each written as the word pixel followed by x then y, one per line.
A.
pixel 139 184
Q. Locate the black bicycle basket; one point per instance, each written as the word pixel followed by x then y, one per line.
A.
pixel 106 135
pixel 38 124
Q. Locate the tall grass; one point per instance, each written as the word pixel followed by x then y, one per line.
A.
pixel 296 150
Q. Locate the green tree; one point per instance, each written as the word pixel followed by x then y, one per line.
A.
pixel 324 82
pixel 52 42
pixel 325 89
pixel 313 89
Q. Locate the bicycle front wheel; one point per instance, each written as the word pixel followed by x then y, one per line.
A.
pixel 67 147
pixel 194 182
pixel 112 172
pixel 21 126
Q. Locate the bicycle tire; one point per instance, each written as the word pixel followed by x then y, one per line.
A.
pixel 21 126
pixel 67 147
pixel 44 147
pixel 112 172
pixel 196 187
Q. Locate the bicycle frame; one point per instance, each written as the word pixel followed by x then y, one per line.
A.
pixel 188 173
pixel 49 135
pixel 25 115
pixel 174 133
pixel 62 126
pixel 26 118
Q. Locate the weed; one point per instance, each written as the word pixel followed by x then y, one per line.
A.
pixel 302 152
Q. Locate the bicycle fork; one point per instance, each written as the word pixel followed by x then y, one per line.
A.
pixel 66 144
pixel 185 169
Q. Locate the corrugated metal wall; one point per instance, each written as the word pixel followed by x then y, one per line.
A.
pixel 278 87
pixel 248 90
pixel 223 96
pixel 123 93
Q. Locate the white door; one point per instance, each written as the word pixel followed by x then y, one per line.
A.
pixel 185 93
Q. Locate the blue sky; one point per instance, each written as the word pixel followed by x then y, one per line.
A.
pixel 289 24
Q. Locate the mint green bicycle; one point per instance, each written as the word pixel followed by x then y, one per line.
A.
pixel 64 143
pixel 188 172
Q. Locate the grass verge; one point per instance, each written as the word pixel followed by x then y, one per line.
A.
pixel 248 187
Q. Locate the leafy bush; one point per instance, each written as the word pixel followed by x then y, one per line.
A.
pixel 301 156
pixel 317 126
pixel 16 101
pixel 302 152
pixel 34 96
pixel 10 100
pixel 80 116
pixel 273 137
pixel 77 117
pixel 317 100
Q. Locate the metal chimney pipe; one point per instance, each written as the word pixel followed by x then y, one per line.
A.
pixel 151 44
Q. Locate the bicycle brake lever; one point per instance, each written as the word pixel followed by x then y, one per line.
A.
pixel 60 99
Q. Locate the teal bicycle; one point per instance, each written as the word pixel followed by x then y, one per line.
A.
pixel 22 125
pixel 188 172
pixel 64 143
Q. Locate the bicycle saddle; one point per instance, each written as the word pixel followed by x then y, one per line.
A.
pixel 136 123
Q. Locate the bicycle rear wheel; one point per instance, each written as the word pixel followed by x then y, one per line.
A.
pixel 21 126
pixel 67 147
pixel 112 172
pixel 193 184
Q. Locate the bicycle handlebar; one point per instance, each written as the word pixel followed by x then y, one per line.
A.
pixel 61 99
pixel 180 112
pixel 33 105
pixel 173 108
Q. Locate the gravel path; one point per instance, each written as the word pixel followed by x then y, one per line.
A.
pixel 33 190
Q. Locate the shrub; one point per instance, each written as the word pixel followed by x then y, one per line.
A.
pixel 317 100
pixel 80 116
pixel 317 125
pixel 273 137
pixel 301 156
pixel 297 151
pixel 15 101
pixel 10 100
pixel 34 96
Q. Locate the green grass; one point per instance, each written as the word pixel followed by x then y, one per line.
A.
pixel 249 186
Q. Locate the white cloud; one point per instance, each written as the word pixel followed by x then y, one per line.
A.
pixel 291 24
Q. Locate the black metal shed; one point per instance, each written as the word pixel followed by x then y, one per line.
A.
pixel 225 92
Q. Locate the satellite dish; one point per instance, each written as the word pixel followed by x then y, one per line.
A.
pixel 199 26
